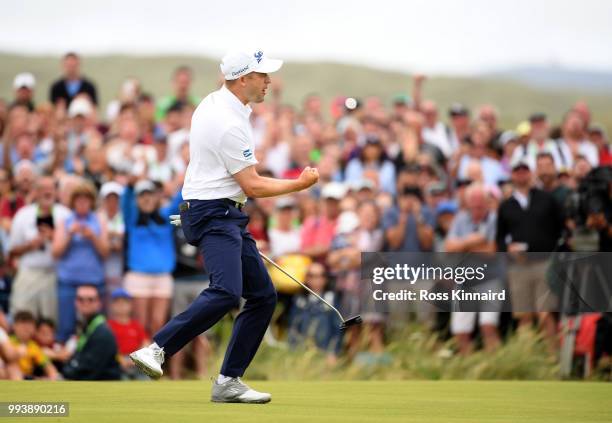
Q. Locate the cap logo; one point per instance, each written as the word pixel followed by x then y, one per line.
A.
pixel 258 56
pixel 240 71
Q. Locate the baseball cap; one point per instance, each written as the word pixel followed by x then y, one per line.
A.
pixel 111 187
pixel 520 162
pixel 333 190
pixel 402 99
pixel 285 203
pixel 523 128
pixel 237 63
pixel 80 107
pixel 458 109
pixel 24 80
pixel 144 186
pixel 507 136
pixel 363 183
pixel 446 207
pixel 537 117
pixel 120 293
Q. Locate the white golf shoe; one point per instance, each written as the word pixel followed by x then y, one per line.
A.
pixel 235 390
pixel 149 360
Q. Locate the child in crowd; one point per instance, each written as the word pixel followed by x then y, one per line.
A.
pixel 55 351
pixel 32 362
pixel 129 333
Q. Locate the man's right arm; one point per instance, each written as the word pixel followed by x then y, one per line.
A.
pixel 257 186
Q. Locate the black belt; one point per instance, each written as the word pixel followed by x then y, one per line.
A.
pixel 233 203
pixel 184 206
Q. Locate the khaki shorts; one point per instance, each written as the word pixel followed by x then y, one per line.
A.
pixel 35 290
pixel 144 285
pixel 529 288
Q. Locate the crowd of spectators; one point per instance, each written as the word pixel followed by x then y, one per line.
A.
pixel 91 266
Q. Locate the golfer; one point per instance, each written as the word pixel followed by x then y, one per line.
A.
pixel 220 176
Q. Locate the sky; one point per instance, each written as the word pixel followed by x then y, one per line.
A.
pixel 460 37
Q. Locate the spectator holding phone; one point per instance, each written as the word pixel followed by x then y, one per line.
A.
pixel 34 288
pixel 80 244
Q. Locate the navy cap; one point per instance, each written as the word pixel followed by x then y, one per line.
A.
pixel 120 293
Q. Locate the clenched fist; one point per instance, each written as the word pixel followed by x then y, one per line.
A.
pixel 309 177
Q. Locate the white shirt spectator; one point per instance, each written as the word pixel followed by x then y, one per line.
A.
pixel 220 145
pixel 438 136
pixel 24 229
pixel 284 242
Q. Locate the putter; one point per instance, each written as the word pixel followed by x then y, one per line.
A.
pixel 175 219
pixel 346 323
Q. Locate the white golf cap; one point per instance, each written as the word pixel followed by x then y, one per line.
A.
pixel 334 190
pixel 144 186
pixel 111 187
pixel 24 80
pixel 237 63
pixel 80 107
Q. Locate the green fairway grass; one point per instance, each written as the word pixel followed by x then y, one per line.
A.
pixel 347 401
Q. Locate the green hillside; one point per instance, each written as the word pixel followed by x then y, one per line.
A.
pixel 328 79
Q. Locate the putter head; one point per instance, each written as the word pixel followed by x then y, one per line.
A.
pixel 352 321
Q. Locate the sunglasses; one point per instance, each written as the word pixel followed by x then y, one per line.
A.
pixel 87 299
pixel 316 275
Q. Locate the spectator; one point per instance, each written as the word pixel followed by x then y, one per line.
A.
pixel 575 139
pixel 409 225
pixel 309 319
pixel 110 211
pixel 129 334
pixel 24 175
pixel 285 235
pixel 435 132
pixel 9 354
pixel 548 179
pixel 529 221
pixel 35 285
pixel 151 257
pixel 372 156
pixel 445 214
pixel 72 83
pixel 597 136
pixel 540 142
pixel 24 84
pixel 480 152
pixel 181 84
pixel 318 231
pixel 473 231
pixel 80 244
pixel 53 350
pixel 488 114
pixel 95 357
pixel 32 362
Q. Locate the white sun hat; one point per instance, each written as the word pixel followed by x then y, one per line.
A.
pixel 237 63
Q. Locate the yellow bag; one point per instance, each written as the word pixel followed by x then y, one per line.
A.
pixel 294 264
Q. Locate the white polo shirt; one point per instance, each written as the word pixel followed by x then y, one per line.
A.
pixel 220 145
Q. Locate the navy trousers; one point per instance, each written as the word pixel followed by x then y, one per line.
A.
pixel 236 270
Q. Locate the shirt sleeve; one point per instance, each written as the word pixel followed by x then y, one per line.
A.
pixel 235 151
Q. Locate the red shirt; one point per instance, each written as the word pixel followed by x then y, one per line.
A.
pixel 130 336
pixel 318 231
pixel 8 208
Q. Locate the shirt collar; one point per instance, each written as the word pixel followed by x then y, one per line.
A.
pixel 235 103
